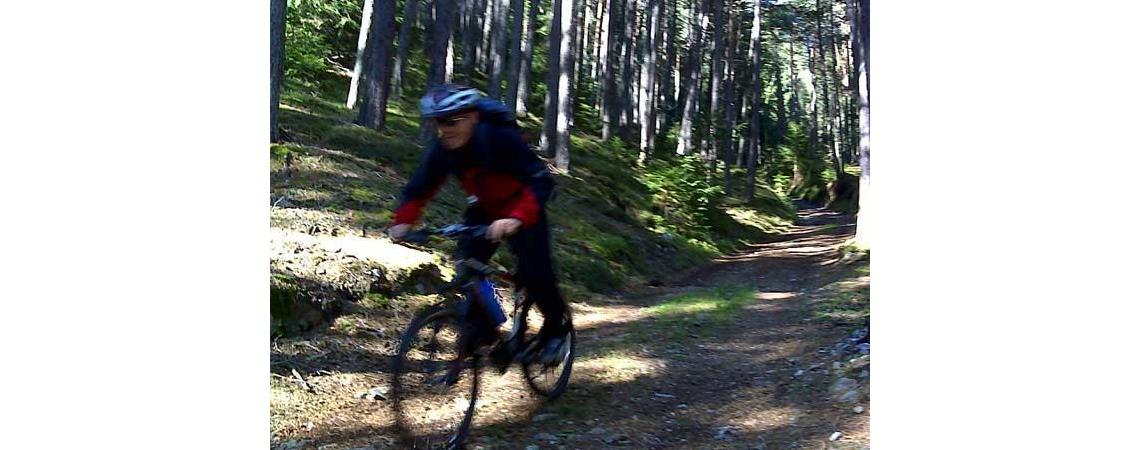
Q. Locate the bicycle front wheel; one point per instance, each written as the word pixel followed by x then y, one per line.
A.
pixel 435 381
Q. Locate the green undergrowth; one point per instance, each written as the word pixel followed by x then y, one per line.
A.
pixel 846 302
pixel 614 224
pixel 695 314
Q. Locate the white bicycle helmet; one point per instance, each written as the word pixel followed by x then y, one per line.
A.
pixel 448 99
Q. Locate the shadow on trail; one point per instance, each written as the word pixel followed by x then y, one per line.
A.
pixel 634 388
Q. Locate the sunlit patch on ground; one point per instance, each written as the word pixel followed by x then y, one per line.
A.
pixel 618 367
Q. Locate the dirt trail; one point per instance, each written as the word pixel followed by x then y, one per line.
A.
pixel 759 381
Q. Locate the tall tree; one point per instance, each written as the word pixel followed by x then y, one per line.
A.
pixel 729 126
pixel 648 77
pixel 859 18
pixel 378 65
pixel 556 139
pixel 437 71
pixel 716 79
pixel 601 36
pixel 404 44
pixel 610 84
pixel 276 61
pixel 698 21
pixel 498 50
pixel 358 66
pixel 834 105
pixel 470 39
pixel 527 51
pixel 514 55
pixel 627 78
pixel 756 144
pixel 670 65
pixel 488 18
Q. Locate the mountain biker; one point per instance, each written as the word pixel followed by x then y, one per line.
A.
pixel 478 141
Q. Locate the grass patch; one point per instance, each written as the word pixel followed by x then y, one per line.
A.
pixel 846 302
pixel 697 313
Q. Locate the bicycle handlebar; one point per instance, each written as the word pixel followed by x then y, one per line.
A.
pixel 454 231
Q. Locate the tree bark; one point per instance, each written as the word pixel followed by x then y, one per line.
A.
pixel 276 61
pixel 611 117
pixel 528 52
pixel 629 47
pixel 485 38
pixel 670 66
pixel 648 77
pixel 470 38
pixel 699 17
pixel 514 56
pixel 498 49
pixel 378 65
pixel 601 64
pixel 716 79
pixel 358 66
pixel 404 44
pixel 834 105
pixel 441 34
pixel 562 51
pixel 860 40
pixel 756 146
pixel 601 25
pixel 729 106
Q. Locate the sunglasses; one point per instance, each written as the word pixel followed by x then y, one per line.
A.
pixel 449 121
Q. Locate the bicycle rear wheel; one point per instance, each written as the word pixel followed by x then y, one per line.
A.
pixel 435 384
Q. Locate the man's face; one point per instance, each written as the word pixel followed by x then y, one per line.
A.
pixel 454 131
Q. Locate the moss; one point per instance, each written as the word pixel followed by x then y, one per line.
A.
pixel 609 225
pixel 696 313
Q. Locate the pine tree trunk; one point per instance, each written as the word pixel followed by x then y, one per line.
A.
pixel 814 133
pixel 627 92
pixel 549 140
pixel 378 65
pixel 648 77
pixel 276 61
pixel 528 52
pixel 441 34
pixel 729 106
pixel 834 105
pixel 716 80
pixel 358 66
pixel 498 55
pixel 577 33
pixel 470 38
pixel 692 88
pixel 670 66
pixel 486 38
pixel 403 46
pixel 781 110
pixel 514 56
pixel 611 116
pixel 563 52
pixel 602 65
pixel 601 26
pixel 860 40
pixel 756 146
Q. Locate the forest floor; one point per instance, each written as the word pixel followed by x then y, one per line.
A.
pixel 766 348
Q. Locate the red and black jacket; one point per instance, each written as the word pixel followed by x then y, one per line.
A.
pixel 496 167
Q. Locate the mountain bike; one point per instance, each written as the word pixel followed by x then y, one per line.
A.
pixel 435 377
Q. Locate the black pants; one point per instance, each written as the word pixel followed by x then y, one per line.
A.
pixel 535 274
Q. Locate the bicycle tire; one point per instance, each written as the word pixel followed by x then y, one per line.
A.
pixel 404 393
pixel 533 370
